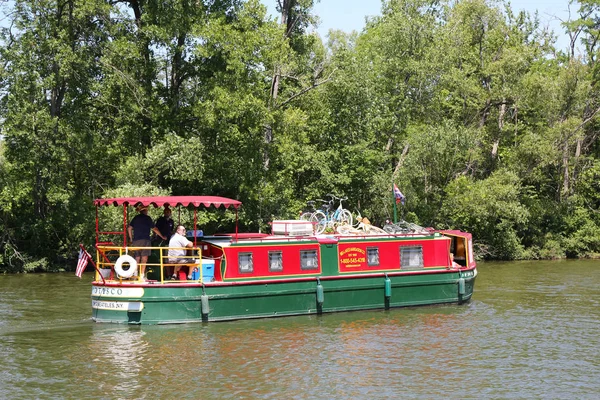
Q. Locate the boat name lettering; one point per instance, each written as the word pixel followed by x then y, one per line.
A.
pixel 107 291
pixel 111 291
pixel 351 249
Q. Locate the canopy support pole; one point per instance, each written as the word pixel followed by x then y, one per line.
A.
pixel 195 225
pixel 236 224
pixel 124 224
pixel 97 227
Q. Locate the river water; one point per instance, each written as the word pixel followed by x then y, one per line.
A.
pixel 530 331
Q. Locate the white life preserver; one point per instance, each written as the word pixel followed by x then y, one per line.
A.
pixel 125 258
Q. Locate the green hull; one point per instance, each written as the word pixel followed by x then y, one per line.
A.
pixel 184 303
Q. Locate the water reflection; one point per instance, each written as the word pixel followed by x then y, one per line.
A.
pixel 530 332
pixel 124 351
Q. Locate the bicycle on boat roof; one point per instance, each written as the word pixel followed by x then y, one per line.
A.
pixel 308 211
pixel 362 227
pixel 327 217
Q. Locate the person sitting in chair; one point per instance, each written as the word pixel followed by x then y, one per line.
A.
pixel 177 251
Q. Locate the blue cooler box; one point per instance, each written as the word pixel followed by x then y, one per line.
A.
pixel 194 233
pixel 208 271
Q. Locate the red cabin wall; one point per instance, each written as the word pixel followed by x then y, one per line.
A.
pixel 353 255
pixel 260 259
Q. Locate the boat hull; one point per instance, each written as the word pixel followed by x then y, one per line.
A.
pixel 223 301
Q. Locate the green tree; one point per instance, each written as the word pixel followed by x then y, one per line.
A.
pixel 493 209
pixel 49 52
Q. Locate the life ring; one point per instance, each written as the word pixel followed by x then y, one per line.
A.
pixel 125 258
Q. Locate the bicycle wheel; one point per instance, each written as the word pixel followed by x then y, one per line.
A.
pixel 344 217
pixel 357 219
pixel 305 216
pixel 319 221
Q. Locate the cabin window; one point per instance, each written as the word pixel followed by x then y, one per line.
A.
pixel 411 257
pixel 308 259
pixel 373 256
pixel 275 261
pixel 245 263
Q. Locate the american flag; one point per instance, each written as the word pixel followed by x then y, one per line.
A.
pixel 84 258
pixel 398 195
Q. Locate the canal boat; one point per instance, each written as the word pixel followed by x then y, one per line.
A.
pixel 289 271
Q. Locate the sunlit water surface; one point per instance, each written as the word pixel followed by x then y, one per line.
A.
pixel 531 331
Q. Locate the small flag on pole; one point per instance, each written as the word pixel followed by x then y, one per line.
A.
pixel 84 258
pixel 398 195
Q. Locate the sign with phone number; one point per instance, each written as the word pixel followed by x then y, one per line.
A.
pixel 352 257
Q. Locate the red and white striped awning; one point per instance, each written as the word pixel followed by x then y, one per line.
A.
pixel 171 201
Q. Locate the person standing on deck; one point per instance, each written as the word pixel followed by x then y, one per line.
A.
pixel 139 234
pixel 165 223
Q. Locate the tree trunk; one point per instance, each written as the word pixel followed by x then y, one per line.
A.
pixel 401 160
pixel 575 163
pixel 485 113
pixel 286 20
pixel 144 43
pixel 501 113
pixel 566 182
pixel 286 7
pixel 176 80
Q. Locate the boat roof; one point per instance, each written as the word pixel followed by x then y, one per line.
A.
pixel 454 232
pixel 172 201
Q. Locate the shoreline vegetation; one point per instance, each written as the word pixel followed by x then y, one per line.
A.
pixel 467 106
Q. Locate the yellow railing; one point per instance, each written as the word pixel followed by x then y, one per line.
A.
pixel 107 256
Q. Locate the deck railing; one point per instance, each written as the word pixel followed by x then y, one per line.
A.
pixel 107 256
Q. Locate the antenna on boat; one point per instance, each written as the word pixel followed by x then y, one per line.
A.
pixel 394 203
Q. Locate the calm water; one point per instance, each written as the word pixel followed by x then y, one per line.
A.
pixel 531 331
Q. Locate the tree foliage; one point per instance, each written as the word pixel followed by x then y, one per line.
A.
pixel 466 105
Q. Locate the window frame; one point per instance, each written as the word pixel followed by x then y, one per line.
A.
pixel 370 249
pixel 272 254
pixel 406 259
pixel 250 262
pixel 305 256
